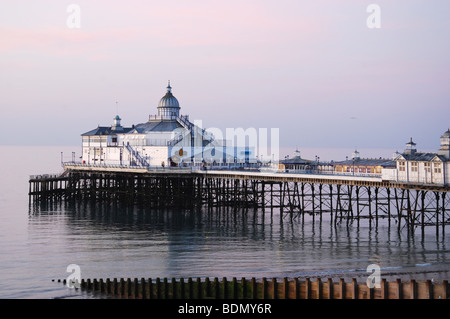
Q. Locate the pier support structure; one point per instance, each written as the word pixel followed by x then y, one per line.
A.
pixel 408 205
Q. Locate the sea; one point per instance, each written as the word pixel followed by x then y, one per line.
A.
pixel 39 243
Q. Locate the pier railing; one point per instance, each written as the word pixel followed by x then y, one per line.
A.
pixel 44 176
pixel 232 167
pixel 330 172
pixel 132 167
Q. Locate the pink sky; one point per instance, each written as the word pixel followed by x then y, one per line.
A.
pixel 311 68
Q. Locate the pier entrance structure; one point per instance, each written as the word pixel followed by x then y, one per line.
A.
pixel 167 139
pixel 342 198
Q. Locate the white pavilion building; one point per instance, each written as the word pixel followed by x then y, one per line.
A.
pixel 166 139
pixel 421 167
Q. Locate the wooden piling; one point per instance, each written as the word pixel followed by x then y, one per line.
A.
pixel 252 289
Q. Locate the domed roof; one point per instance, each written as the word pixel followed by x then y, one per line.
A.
pixel 169 100
pixel 446 134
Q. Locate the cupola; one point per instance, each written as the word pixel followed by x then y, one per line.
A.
pixel 168 107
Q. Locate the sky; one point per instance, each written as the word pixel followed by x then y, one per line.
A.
pixel 313 69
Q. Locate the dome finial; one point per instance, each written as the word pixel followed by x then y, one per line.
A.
pixel 169 88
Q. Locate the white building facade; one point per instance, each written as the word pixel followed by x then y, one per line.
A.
pixel 167 139
pixel 427 168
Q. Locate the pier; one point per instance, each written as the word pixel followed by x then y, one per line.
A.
pixel 345 198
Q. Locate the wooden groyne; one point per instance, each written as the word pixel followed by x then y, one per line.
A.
pixel 206 288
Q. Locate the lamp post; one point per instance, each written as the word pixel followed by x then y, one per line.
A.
pixel 346 165
pixel 318 165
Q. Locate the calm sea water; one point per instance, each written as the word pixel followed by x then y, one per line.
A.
pixel 37 243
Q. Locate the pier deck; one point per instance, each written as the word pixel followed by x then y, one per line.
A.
pixel 345 179
pixel 344 197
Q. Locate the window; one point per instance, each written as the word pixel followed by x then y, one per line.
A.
pixel 437 168
pixel 401 166
pixel 414 166
pixel 427 167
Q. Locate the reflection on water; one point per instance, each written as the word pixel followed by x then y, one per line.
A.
pixel 107 241
pixel 120 242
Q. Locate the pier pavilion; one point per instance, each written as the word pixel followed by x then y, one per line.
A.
pixel 358 165
pixel 166 139
pixel 423 167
